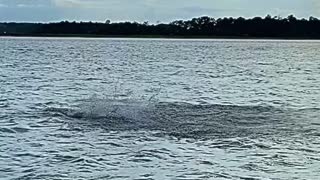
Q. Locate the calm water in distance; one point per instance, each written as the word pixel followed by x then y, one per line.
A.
pixel 79 108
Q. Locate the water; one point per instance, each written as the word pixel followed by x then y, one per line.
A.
pixel 75 108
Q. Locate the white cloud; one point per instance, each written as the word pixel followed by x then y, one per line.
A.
pixel 68 3
pixel 3 5
pixel 78 3
pixel 30 5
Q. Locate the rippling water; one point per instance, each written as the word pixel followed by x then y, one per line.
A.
pixel 75 108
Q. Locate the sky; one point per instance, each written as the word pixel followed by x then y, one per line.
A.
pixel 149 10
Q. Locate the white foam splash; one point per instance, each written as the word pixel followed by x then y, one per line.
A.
pixel 94 108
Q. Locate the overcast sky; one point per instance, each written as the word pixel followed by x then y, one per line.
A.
pixel 149 10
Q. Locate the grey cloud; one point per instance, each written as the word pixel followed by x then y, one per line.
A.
pixel 149 10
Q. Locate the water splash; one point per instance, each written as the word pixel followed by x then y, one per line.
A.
pixel 180 119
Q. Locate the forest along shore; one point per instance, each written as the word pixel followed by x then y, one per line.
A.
pixel 202 27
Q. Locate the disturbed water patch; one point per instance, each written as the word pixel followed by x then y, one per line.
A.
pixel 178 119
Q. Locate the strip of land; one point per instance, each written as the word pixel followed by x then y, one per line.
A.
pixel 202 27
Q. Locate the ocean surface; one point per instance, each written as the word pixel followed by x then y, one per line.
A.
pixel 81 108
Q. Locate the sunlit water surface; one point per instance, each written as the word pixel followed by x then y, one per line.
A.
pixel 73 108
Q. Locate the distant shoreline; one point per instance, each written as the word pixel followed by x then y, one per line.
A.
pixel 289 28
pixel 155 36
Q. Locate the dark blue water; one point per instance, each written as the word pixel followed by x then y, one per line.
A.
pixel 73 108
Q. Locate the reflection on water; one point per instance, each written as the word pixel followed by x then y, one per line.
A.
pixel 179 109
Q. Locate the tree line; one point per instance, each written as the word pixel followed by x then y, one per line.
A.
pixel 272 27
